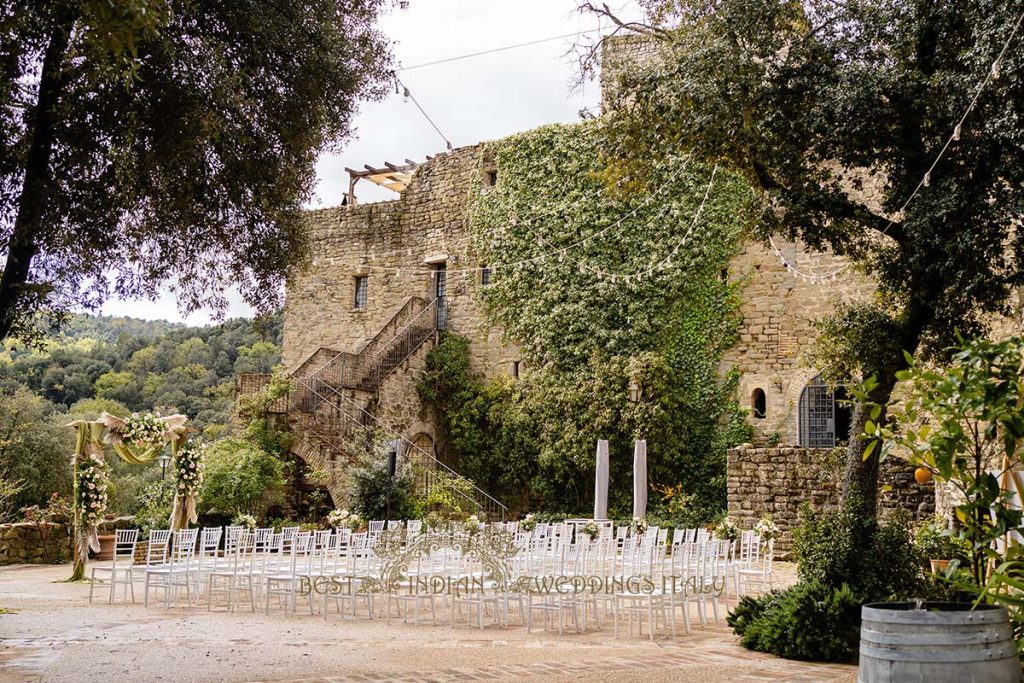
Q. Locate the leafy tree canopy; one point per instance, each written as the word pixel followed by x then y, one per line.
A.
pixel 818 101
pixel 151 142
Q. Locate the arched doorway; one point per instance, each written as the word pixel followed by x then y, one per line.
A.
pixel 420 444
pixel 824 415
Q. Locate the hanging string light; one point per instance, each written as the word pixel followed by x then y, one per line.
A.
pixel 991 75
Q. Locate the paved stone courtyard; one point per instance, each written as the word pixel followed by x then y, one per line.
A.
pixel 54 634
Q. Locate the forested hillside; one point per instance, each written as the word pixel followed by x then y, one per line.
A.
pixel 146 365
pixel 119 365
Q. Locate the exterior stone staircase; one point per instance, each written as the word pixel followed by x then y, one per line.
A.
pixel 334 428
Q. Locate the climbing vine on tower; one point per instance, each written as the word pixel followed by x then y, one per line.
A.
pixel 605 282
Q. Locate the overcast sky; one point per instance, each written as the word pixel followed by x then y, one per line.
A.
pixel 471 100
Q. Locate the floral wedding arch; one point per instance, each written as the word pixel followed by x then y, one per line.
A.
pixel 136 439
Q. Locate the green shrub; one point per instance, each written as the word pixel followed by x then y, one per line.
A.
pixel 154 507
pixel 808 621
pixel 748 610
pixel 877 560
pixel 934 541
pixel 240 477
pixel 376 495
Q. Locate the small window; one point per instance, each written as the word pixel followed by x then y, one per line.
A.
pixel 513 368
pixel 758 403
pixel 492 178
pixel 485 275
pixel 723 274
pixel 362 282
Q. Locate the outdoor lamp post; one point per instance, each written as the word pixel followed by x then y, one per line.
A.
pixel 392 467
pixel 164 460
pixel 635 391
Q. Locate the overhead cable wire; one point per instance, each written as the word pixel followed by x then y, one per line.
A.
pixel 408 93
pixel 456 58
pixel 991 75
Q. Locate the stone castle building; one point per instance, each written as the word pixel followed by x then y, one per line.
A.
pixel 384 278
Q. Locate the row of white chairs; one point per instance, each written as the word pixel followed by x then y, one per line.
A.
pixel 341 569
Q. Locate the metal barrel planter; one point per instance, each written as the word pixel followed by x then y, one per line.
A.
pixel 936 642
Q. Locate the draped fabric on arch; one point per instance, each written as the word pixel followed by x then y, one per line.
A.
pixel 88 443
pixel 90 439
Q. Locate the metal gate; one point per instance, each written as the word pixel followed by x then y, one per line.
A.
pixel 817 415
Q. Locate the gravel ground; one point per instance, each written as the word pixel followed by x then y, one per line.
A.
pixel 54 634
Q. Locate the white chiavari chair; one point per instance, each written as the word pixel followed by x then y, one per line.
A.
pixel 120 569
pixel 225 579
pixel 231 536
pixel 177 573
pixel 286 582
pixel 640 595
pixel 759 569
pixel 473 593
pixel 207 555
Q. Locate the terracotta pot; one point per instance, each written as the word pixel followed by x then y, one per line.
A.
pixel 107 543
pixel 938 566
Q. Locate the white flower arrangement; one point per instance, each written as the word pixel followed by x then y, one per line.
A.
pixel 528 524
pixel 143 430
pixel 338 518
pixel 92 490
pixel 247 521
pixel 472 525
pixel 766 528
pixel 591 530
pixel 727 530
pixel 188 467
pixel 638 526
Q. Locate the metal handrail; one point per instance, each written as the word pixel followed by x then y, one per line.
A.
pixel 359 361
pixel 398 334
pixel 408 304
pixel 448 470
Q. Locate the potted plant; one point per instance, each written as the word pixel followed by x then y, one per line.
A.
pixel 963 423
pixel 937 544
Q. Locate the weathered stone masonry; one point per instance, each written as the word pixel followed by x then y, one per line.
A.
pixel 777 481
pixel 397 245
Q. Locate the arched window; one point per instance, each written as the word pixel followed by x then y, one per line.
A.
pixel 758 403
pixel 824 415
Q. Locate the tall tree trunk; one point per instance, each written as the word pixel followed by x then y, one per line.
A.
pixel 37 184
pixel 860 477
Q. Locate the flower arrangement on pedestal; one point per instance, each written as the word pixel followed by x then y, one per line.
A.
pixel 591 530
pixel 726 530
pixel 339 519
pixel 245 520
pixel 766 528
pixel 528 524
pixel 638 526
pixel 356 522
pixel 472 525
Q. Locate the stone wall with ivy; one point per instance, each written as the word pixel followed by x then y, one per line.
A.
pixel 777 481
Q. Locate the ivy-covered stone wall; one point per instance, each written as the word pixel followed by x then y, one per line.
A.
pixel 777 481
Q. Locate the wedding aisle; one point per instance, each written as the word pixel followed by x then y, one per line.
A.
pixel 54 634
